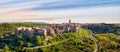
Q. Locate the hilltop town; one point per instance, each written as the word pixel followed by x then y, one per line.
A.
pixel 48 31
pixel 59 37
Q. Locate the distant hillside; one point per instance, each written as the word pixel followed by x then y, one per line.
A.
pixel 24 23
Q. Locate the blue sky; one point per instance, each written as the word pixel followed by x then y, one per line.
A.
pixel 59 11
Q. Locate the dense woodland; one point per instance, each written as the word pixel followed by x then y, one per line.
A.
pixel 103 28
pixel 90 40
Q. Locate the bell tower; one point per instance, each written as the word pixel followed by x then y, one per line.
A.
pixel 69 20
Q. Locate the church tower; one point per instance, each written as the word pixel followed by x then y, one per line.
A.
pixel 69 20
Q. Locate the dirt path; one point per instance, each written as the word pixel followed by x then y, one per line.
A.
pixel 95 48
pixel 45 45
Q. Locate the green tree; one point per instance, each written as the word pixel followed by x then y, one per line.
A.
pixel 6 48
pixel 38 40
pixel 19 36
pixel 29 44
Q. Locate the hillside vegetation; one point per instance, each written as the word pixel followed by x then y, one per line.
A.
pixel 82 41
pixel 103 28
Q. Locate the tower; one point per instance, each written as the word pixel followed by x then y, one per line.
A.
pixel 69 20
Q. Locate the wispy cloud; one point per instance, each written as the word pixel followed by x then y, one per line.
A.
pixel 74 3
pixel 56 4
pixel 53 10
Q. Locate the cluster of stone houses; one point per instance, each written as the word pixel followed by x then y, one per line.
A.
pixel 47 31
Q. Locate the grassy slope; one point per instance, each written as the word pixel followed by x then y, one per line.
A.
pixel 76 42
pixel 86 42
pixel 108 42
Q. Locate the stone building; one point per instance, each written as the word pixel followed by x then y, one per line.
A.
pixel 25 31
pixel 50 30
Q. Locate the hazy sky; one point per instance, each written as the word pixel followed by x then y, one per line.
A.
pixel 59 11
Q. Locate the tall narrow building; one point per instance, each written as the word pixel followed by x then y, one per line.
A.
pixel 69 20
